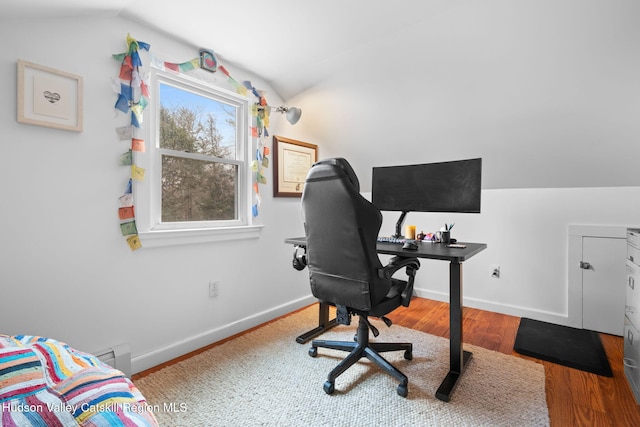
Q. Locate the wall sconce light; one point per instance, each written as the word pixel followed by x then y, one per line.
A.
pixel 292 114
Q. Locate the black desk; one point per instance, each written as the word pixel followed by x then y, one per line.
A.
pixel 458 358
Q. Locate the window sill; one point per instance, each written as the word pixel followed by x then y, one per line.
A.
pixel 156 239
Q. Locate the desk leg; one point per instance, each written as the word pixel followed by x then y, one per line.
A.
pixel 458 358
pixel 324 324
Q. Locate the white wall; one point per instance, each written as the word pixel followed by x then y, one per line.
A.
pixel 65 270
pixel 527 235
pixel 546 92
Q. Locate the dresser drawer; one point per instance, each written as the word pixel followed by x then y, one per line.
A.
pixel 632 358
pixel 633 245
pixel 633 254
pixel 632 297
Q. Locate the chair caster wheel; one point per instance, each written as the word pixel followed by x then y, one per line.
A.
pixel 408 355
pixel 403 390
pixel 313 351
pixel 329 387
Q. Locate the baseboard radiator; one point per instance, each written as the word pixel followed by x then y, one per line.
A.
pixel 118 357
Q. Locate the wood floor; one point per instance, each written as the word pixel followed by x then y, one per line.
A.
pixel 574 398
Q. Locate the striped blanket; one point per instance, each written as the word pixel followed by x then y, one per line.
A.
pixel 44 382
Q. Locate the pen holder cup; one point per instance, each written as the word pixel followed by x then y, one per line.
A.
pixel 445 237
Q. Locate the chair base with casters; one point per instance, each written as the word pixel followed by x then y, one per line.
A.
pixel 363 348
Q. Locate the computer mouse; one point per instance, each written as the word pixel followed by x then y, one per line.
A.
pixel 411 245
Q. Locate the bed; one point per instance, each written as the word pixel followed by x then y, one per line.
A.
pixel 44 382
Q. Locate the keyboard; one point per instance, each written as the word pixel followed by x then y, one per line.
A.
pixel 382 239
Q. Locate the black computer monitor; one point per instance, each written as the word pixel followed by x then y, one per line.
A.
pixel 431 187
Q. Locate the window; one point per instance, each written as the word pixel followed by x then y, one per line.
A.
pixel 198 184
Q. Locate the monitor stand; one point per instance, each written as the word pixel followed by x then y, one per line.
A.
pixel 399 234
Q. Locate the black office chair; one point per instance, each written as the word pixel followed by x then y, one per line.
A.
pixel 341 229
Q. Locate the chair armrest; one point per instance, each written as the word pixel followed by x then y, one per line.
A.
pixel 396 263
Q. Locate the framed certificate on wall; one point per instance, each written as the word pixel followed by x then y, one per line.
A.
pixel 291 162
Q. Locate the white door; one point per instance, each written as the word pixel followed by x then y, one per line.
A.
pixel 603 284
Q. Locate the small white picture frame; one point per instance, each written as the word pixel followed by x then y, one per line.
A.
pixel 48 97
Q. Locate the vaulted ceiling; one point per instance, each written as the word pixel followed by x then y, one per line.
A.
pixel 550 81
pixel 293 44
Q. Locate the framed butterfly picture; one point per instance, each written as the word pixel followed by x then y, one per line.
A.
pixel 48 97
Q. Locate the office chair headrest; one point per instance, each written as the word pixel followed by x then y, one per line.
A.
pixel 344 165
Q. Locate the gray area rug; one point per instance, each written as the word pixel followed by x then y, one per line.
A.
pixel 265 378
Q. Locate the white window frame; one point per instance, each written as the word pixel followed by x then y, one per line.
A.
pixel 148 193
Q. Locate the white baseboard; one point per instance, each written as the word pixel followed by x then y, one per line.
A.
pixel 154 358
pixel 511 310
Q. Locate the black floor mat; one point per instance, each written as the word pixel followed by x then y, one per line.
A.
pixel 575 348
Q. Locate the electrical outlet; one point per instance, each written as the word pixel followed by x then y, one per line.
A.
pixel 494 271
pixel 213 289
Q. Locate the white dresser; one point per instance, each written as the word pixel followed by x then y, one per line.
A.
pixel 632 313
